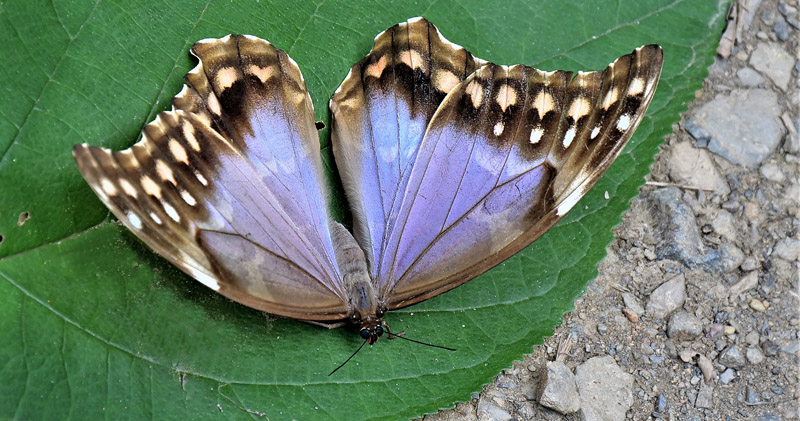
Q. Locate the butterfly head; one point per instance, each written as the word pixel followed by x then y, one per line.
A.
pixel 370 324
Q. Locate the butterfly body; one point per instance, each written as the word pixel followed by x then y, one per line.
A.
pixel 450 165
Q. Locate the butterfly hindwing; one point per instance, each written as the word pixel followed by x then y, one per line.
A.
pixel 380 113
pixel 509 151
pixel 228 185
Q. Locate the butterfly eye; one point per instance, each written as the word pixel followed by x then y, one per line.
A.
pixel 379 330
pixel 364 333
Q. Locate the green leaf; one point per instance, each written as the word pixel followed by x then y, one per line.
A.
pixel 94 325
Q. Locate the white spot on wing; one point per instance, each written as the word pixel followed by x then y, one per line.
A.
pixel 506 97
pixel 203 278
pixel 536 135
pixel 569 202
pixel 498 128
pixel 595 132
pixel 155 218
pixel 188 198
pixel 108 187
pixel 188 133
pixel 134 220
pixel 213 105
pixel 624 122
pixel 200 178
pixel 150 187
pixel 171 211
pixel 569 136
pixel 128 188
pixel 636 87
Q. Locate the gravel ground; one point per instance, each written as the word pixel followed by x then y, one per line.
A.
pixel 695 313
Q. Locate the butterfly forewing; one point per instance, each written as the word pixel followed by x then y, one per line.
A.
pixel 489 175
pixel 228 185
pixel 380 113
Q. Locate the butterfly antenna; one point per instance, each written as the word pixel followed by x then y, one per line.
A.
pixel 349 358
pixel 393 336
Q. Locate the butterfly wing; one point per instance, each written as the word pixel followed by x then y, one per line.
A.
pixel 380 114
pixel 228 185
pixel 507 153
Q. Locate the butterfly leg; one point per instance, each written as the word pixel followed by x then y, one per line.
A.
pixel 334 325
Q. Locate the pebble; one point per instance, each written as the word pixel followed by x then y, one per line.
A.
pixel 757 305
pixel 488 410
pixel 752 338
pixel 704 396
pixel 751 395
pixel 606 391
pixel 749 264
pixel 732 358
pixel 792 348
pixel 748 282
pixel 632 302
pixel 714 330
pixel 770 348
pixel 742 126
pixel 727 376
pixel 724 224
pixel 729 330
pixel 684 326
pixel 630 315
pixel 782 30
pixel 559 390
pixel 661 403
pixel 771 171
pixel 749 77
pixel 695 167
pixel 788 249
pixel 731 257
pixel 668 297
pixel 772 60
pixel 754 355
pixel 676 229
pixel 706 367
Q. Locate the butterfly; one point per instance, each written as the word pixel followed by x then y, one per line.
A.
pixel 450 165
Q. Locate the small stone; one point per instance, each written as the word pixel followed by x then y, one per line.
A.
pixel 725 225
pixel 788 249
pixel 751 395
pixel 745 284
pixel 630 315
pixel 727 376
pixel 694 166
pixel 732 358
pixel 770 348
pixel 782 30
pixel 749 264
pixel 684 326
pixel 729 330
pixel 602 328
pixel 757 305
pixel 752 338
pixel 754 355
pixel 676 229
pixel 731 257
pixel 772 60
pixel 704 396
pixel 488 410
pixel 772 172
pixel 559 391
pixel 749 77
pixel 668 297
pixel 792 348
pixel 742 127
pixel 687 355
pixel 606 391
pixel 706 367
pixel 661 403
pixel 632 302
pixel 714 331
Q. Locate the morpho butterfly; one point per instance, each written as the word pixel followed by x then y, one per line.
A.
pixel 450 164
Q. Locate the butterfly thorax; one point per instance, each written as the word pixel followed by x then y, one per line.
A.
pixel 366 311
